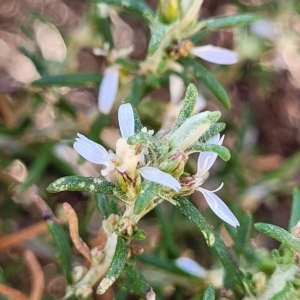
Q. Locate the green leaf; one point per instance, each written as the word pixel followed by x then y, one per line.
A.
pixel 105 30
pixel 230 21
pixel 222 151
pixel 137 122
pixel 280 235
pixel 116 266
pixel 140 8
pixel 188 105
pixel 287 293
pixel 243 233
pixel 37 168
pixel 107 205
pixel 230 266
pixel 213 130
pixel 69 79
pixel 295 210
pixel 36 60
pixel 137 91
pixel 148 192
pixel 209 293
pixel 63 248
pixel 81 184
pixel 189 210
pixel 158 33
pixel 142 287
pixel 191 130
pixel 208 79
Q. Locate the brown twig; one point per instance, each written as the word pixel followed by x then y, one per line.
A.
pixel 79 244
pixel 20 237
pixel 38 281
pixel 12 293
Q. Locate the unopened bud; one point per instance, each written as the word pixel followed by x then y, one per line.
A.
pixel 126 228
pixel 168 10
pixel 175 163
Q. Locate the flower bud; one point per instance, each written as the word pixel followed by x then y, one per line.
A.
pixel 168 10
pixel 174 163
pixel 126 227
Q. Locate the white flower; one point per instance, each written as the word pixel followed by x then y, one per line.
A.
pixel 217 55
pixel 205 162
pixel 108 89
pixel 191 267
pixel 126 158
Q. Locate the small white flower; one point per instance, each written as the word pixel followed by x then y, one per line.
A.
pixel 108 89
pixel 216 55
pixel 191 267
pixel 205 162
pixel 126 159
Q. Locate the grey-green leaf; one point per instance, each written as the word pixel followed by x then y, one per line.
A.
pixel 148 192
pixel 280 235
pixel 62 243
pixel 230 21
pixel 213 130
pixel 222 151
pixel 158 33
pixel 209 293
pixel 69 80
pixel 189 210
pixel 208 79
pixel 116 266
pixel 81 184
pixel 107 205
pixel 189 102
pixel 295 210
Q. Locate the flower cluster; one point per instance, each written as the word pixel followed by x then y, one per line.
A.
pixel 143 157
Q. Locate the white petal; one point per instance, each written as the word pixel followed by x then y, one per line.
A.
pixel 91 151
pixel 108 89
pixel 176 86
pixel 264 28
pixel 219 207
pixel 216 55
pixel 126 120
pixel 158 176
pixel 190 266
pixel 207 159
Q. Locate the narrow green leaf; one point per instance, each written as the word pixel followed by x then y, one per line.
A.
pixel 137 90
pixel 137 122
pixel 243 233
pixel 208 79
pixel 142 287
pixel 287 293
pixel 295 210
pixel 63 248
pixel 140 8
pixel 116 267
pixel 230 21
pixel 189 210
pixel 189 102
pixel 235 274
pixel 65 107
pixel 36 60
pixel 105 30
pixel 69 79
pixel 81 184
pixel 107 205
pixel 145 139
pixel 280 235
pixel 148 192
pixel 222 151
pixel 127 64
pixel 209 293
pixel 158 33
pixel 213 130
pixel 37 168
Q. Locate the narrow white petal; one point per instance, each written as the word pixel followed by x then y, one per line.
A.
pixel 91 151
pixel 264 28
pixel 126 120
pixel 108 89
pixel 219 207
pixel 207 159
pixel 216 55
pixel 190 266
pixel 176 86
pixel 158 176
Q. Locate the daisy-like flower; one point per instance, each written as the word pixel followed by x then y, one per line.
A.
pixel 128 159
pixel 216 55
pixel 205 162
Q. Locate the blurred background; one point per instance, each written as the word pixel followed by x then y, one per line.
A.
pixel 39 121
